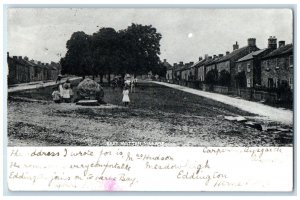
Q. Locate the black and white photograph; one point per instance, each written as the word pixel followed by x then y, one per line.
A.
pixel 149 99
pixel 163 77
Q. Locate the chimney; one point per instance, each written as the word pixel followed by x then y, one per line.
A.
pixel 235 46
pixel 165 60
pixel 26 58
pixel 47 64
pixel 215 56
pixel 181 63
pixel 227 52
pixel 39 62
pixel 209 57
pixel 8 54
pixel 220 55
pixel 251 42
pixel 281 43
pixel 15 57
pixel 20 57
pixel 272 42
pixel 206 56
pixel 200 58
pixel 191 63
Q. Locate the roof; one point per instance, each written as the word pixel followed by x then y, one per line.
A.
pixel 212 61
pixel 251 55
pixel 166 64
pixel 24 62
pixel 232 54
pixel 198 63
pixel 287 49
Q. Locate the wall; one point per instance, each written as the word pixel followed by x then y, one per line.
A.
pixel 201 73
pixel 282 72
pixel 223 66
pixel 243 66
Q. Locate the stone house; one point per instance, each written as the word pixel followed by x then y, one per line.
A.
pixel 169 73
pixel 21 70
pixel 228 62
pixel 277 67
pixel 251 65
pixel 18 70
pixel 201 68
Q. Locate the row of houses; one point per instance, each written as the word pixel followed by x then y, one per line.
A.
pixel 245 67
pixel 23 70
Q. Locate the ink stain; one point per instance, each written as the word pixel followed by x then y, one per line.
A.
pixel 109 185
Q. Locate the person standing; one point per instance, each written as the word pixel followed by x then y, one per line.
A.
pixel 126 99
pixel 56 95
pixel 65 93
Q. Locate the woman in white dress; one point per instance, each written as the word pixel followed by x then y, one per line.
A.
pixel 126 99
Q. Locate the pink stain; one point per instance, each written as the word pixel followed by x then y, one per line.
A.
pixel 109 185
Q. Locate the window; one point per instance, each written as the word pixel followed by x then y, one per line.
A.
pixel 267 65
pixel 291 61
pixel 248 67
pixel 239 68
pixel 291 82
pixel 248 82
pixel 270 83
pixel 277 63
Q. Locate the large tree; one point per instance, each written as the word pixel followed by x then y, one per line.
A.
pixel 105 48
pixel 78 59
pixel 141 48
pixel 134 50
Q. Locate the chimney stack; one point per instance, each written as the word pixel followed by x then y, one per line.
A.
pixel 181 63
pixel 227 52
pixel 215 56
pixel 200 58
pixel 191 63
pixel 39 62
pixel 8 54
pixel 206 56
pixel 281 43
pixel 220 55
pixel 209 57
pixel 26 58
pixel 20 57
pixel 272 42
pixel 251 42
pixel 235 46
pixel 165 60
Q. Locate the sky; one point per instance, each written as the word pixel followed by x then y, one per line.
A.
pixel 41 33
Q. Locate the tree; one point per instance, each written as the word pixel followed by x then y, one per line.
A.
pixel 134 50
pixel 78 59
pixel 105 48
pixel 211 77
pixel 241 79
pixel 224 78
pixel 141 49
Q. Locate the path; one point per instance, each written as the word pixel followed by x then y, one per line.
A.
pixel 36 85
pixel 271 113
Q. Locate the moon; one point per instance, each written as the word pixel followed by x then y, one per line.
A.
pixel 190 35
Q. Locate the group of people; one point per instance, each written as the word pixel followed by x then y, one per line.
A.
pixel 63 93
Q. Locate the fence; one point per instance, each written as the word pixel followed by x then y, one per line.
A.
pixel 270 97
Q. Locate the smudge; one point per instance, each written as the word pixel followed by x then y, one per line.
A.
pixel 110 185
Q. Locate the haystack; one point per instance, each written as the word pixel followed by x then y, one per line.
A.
pixel 89 89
